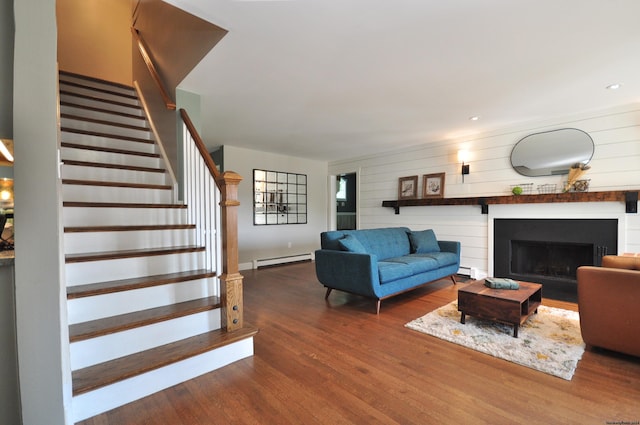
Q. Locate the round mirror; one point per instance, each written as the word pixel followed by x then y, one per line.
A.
pixel 551 152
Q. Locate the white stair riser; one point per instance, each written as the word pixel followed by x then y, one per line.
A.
pixel 107 305
pixel 92 83
pixel 140 133
pixel 96 103
pixel 107 398
pixel 107 142
pixel 104 116
pixel 77 154
pixel 87 193
pixel 80 172
pixel 98 216
pixel 75 243
pixel 127 268
pixel 108 347
pixel 100 95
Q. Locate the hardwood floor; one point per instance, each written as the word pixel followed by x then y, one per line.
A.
pixel 336 362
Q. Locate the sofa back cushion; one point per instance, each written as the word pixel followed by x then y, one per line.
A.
pixel 384 243
pixel 351 244
pixel 423 242
pixel 621 262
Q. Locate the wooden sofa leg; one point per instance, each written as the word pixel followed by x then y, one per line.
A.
pixel 378 306
pixel 453 278
pixel 328 292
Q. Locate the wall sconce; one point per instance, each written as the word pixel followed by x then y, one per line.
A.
pixel 6 149
pixel 463 156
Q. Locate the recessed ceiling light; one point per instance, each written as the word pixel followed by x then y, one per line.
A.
pixel 614 86
pixel 474 118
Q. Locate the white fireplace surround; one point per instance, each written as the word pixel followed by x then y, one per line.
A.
pixel 584 210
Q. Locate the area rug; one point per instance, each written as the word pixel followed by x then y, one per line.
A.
pixel 549 341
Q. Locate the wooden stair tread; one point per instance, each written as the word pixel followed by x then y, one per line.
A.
pixel 84 204
pixel 108 150
pixel 104 122
pixel 130 253
pixel 100 288
pixel 95 79
pixel 106 135
pixel 150 227
pixel 67 83
pixel 102 110
pixel 113 166
pixel 122 322
pixel 100 375
pixel 116 184
pixel 100 99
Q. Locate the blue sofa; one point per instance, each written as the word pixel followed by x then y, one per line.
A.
pixel 381 263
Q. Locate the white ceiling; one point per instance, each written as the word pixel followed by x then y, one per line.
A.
pixel 331 79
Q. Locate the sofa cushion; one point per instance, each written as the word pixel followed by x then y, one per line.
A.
pixel 423 242
pixel 388 271
pixel 621 262
pixel 417 264
pixel 442 259
pixel 351 244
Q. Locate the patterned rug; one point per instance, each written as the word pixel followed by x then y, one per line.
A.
pixel 549 341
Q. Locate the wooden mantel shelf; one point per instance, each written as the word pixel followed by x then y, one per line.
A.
pixel 629 197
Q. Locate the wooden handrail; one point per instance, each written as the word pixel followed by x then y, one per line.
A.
pixel 170 104
pixel 200 145
pixel 232 309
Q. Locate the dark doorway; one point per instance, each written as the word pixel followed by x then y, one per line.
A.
pixel 346 202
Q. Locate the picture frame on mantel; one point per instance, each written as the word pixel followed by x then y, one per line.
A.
pixel 408 187
pixel 433 185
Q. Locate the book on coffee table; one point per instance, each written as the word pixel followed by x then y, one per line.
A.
pixel 501 283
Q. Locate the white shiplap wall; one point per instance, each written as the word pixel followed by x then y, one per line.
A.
pixel 615 166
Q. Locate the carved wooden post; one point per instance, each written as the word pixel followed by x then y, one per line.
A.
pixel 231 279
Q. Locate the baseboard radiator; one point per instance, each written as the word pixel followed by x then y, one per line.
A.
pixel 472 272
pixel 265 262
pixel 465 271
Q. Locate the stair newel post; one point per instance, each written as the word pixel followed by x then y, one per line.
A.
pixel 231 279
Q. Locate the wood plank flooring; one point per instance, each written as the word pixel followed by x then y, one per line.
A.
pixel 336 362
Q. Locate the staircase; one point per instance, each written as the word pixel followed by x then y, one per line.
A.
pixel 144 312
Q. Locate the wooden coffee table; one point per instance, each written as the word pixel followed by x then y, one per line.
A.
pixel 509 306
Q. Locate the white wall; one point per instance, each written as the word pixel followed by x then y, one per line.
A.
pixel 9 394
pixel 6 71
pixel 95 38
pixel 264 242
pixel 615 166
pixel 43 357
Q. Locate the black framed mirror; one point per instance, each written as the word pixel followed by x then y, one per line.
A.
pixel 552 152
pixel 279 197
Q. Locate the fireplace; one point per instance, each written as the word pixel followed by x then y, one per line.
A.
pixel 549 251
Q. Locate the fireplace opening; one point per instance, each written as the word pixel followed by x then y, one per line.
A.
pixel 549 259
pixel 549 251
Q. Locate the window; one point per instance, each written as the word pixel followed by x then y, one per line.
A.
pixel 341 194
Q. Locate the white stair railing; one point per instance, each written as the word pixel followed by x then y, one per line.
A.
pixel 202 197
pixel 215 212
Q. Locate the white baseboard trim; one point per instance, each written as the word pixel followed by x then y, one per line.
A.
pixel 308 256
